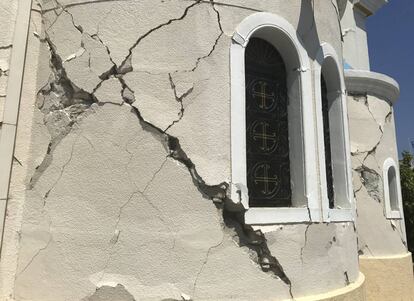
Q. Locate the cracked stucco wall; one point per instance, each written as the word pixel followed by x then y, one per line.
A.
pixel 372 134
pixel 125 161
pixel 8 10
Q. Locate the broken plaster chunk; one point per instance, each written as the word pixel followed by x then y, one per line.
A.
pixel 128 95
pixel 372 163
pixel 70 41
pixel 110 91
pixel 184 82
pixel 86 69
pixel 155 98
pixel 379 109
pixel 75 55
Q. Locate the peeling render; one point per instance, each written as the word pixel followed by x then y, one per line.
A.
pixel 110 211
pixel 372 182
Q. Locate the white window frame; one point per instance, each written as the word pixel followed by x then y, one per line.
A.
pixel 299 77
pixel 345 202
pixel 389 212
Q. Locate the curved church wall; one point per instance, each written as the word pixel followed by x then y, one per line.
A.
pixel 127 178
pixel 373 141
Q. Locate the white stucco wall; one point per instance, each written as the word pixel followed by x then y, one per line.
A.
pixel 8 11
pixel 355 38
pixel 105 205
pixel 373 141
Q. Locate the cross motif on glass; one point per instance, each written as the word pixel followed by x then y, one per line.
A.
pixel 261 175
pixel 266 101
pixel 261 132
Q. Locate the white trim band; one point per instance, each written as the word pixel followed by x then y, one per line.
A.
pixel 371 5
pixel 372 83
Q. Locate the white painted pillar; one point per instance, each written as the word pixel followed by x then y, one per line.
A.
pixel 12 104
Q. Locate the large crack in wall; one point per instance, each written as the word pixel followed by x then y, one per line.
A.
pixel 64 105
pixel 369 176
pixel 369 153
pixel 233 214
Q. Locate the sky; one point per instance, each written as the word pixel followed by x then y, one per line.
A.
pixel 391 51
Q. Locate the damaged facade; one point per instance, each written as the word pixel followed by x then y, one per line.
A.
pixel 126 143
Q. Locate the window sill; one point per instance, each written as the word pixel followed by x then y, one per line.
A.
pixel 268 216
pixel 394 214
pixel 339 215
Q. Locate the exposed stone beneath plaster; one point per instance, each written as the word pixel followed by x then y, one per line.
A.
pixel 372 182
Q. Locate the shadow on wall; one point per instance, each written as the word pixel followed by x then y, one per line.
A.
pixel 307 28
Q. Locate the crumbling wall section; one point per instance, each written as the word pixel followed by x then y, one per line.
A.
pixel 127 181
pixel 372 134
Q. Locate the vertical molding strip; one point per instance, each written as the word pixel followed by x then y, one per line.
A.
pixel 12 104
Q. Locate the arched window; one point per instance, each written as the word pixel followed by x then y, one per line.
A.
pixel 274 171
pixel 392 191
pixel 333 138
pixel 392 188
pixel 267 134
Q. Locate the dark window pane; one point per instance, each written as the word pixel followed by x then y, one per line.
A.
pixel 392 188
pixel 267 139
pixel 327 139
